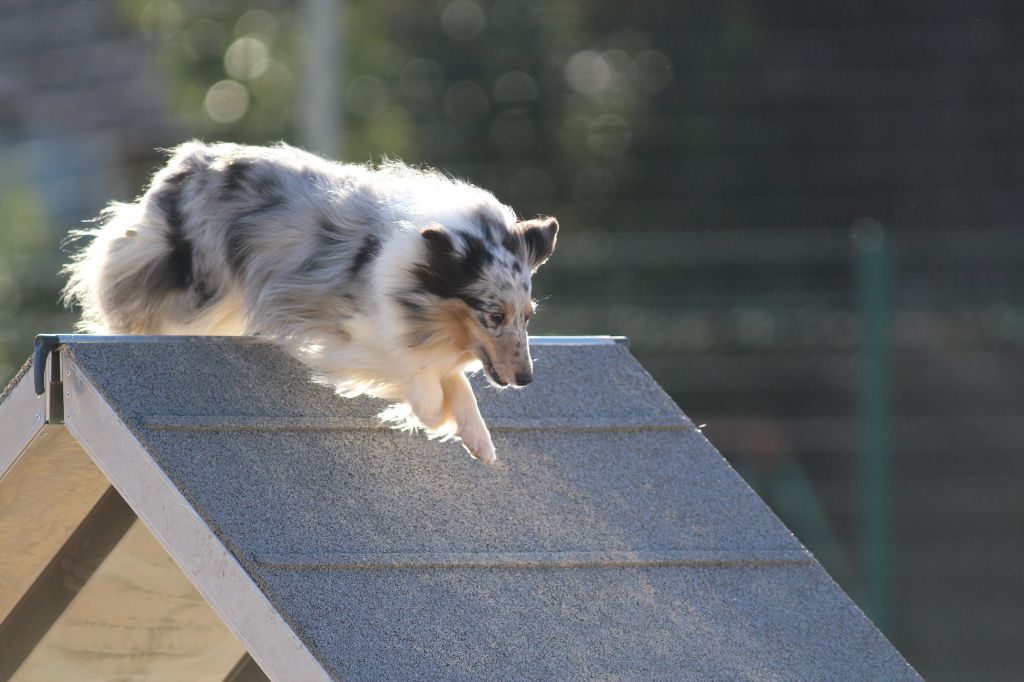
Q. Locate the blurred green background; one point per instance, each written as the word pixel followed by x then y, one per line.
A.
pixel 807 217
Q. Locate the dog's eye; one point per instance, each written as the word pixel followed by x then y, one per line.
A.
pixel 497 318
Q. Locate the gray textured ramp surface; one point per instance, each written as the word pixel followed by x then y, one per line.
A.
pixel 610 540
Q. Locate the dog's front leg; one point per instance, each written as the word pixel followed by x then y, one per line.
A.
pixel 469 425
pixel 425 398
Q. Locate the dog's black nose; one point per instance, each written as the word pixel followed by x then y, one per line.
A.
pixel 522 378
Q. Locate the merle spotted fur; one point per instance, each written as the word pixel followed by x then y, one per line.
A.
pixel 390 281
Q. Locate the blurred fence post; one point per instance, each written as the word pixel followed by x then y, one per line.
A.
pixel 322 77
pixel 869 241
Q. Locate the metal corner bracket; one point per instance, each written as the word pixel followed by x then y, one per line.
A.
pixel 48 346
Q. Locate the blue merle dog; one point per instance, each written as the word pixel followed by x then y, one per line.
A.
pixel 389 281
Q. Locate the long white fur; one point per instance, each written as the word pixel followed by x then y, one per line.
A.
pixel 167 264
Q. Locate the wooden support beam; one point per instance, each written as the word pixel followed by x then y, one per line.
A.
pixel 246 670
pixel 64 576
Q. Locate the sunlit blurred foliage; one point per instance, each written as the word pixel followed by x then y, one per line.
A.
pixel 523 97
pixel 516 95
pixel 229 66
pixel 24 241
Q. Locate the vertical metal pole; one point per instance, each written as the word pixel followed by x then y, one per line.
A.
pixel 321 88
pixel 876 463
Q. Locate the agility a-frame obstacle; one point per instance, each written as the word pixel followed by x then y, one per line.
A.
pixel 185 507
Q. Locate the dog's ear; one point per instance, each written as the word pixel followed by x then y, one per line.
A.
pixel 439 242
pixel 540 235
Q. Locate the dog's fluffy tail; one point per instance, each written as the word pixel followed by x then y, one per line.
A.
pixel 111 278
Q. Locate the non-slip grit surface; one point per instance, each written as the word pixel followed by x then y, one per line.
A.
pixel 610 541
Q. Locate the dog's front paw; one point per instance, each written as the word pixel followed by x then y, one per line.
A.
pixel 478 443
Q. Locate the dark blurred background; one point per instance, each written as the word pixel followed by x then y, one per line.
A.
pixel 807 217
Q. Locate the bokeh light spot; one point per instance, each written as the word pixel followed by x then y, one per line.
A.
pixel 257 22
pixel 366 96
pixel 463 20
pixel 274 85
pixel 247 58
pixel 160 18
pixel 226 101
pixel 516 87
pixel 588 73
pixel 421 79
pixel 466 101
pixel 652 71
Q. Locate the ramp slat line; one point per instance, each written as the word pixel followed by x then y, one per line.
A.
pixel 278 424
pixel 533 560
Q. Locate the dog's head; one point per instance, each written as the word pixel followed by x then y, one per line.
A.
pixel 487 276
